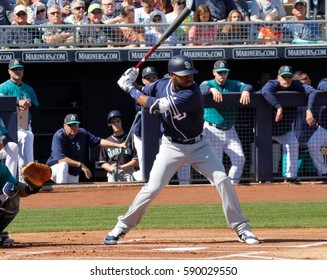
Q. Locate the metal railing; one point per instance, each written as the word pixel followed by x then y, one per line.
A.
pixel 145 35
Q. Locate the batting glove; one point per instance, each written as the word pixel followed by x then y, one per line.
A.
pixel 127 80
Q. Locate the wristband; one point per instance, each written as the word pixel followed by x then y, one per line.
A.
pixel 135 93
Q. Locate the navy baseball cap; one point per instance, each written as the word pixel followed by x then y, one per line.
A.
pixel 15 63
pixel 71 119
pixel 221 66
pixel 285 70
pixel 149 70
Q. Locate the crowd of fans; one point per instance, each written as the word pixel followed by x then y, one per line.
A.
pixel 137 23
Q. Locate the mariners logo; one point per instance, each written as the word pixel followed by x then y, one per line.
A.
pixel 187 65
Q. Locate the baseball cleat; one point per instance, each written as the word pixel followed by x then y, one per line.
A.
pixel 112 239
pixel 248 237
pixel 5 241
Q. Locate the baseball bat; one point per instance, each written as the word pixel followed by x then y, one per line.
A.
pixel 127 139
pixel 174 25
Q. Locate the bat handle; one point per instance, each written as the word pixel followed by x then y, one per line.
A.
pixel 146 56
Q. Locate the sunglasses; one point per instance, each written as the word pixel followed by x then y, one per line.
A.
pixel 151 77
pixel 21 14
pixel 222 72
pixel 181 3
pixel 79 8
pixel 55 13
pixel 40 11
pixel 287 77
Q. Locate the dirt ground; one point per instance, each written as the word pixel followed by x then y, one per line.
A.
pixel 170 244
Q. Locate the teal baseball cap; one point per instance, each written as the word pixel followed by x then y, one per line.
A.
pixel 15 63
pixel 221 66
pixel 71 119
pixel 285 70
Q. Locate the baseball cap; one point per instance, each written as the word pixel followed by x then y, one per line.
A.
pixel 93 7
pixel 221 66
pixel 149 70
pixel 303 2
pixel 20 8
pixel 71 119
pixel 285 70
pixel 15 63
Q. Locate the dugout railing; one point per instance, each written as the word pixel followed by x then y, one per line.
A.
pixel 265 159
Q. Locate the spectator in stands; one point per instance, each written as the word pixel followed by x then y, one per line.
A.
pixel 30 10
pixel 260 8
pixel 234 33
pixel 142 15
pixel 202 35
pixel 219 125
pixel 152 35
pixel 6 10
pixel 219 9
pixel 109 10
pixel 8 150
pixel 129 36
pixel 61 36
pixel 96 36
pixel 64 6
pixel 270 34
pixel 21 37
pixel 318 140
pixel 164 6
pixel 109 158
pixel 78 15
pixel 182 31
pixel 243 7
pixel 70 149
pixel 26 100
pixel 41 13
pixel 294 31
pixel 283 120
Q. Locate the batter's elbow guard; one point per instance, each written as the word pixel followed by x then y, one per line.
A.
pixel 154 108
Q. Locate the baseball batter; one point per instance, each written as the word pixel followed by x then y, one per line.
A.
pixel 180 103
pixel 219 123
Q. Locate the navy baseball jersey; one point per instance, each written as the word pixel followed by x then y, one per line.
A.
pixel 272 87
pixel 184 119
pixel 77 148
pixel 323 112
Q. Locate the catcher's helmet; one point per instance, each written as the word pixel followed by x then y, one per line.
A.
pixel 112 114
pixel 181 65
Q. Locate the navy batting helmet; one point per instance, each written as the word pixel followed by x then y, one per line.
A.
pixel 112 114
pixel 181 65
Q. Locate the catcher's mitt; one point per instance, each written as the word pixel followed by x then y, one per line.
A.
pixel 36 174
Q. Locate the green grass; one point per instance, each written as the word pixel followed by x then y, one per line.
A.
pixel 307 214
